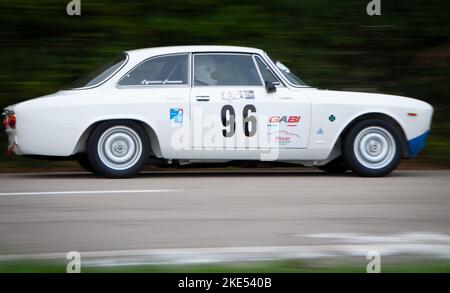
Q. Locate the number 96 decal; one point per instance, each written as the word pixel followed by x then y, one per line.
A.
pixel 228 120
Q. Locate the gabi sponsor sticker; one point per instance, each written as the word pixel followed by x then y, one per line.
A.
pixel 286 120
pixel 282 129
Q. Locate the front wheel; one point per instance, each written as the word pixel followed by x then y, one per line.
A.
pixel 373 148
pixel 118 149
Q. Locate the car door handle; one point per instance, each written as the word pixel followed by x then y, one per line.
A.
pixel 202 98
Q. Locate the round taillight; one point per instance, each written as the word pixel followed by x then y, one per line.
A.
pixel 12 120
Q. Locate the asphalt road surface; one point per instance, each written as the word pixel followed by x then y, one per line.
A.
pixel 47 213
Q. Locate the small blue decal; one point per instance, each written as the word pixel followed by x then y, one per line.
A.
pixel 320 131
pixel 176 115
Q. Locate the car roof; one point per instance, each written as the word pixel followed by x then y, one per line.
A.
pixel 147 52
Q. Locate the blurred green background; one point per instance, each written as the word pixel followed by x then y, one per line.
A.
pixel 329 44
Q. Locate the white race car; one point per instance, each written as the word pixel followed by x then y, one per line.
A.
pixel 214 103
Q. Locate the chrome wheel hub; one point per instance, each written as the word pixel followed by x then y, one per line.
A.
pixel 119 147
pixel 374 147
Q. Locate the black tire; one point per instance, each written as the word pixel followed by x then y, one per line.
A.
pixel 83 160
pixel 353 158
pixel 101 162
pixel 336 166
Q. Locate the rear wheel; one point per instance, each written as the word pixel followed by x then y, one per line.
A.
pixel 118 149
pixel 373 148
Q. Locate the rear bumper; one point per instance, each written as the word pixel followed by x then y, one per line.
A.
pixel 10 132
pixel 12 142
pixel 416 144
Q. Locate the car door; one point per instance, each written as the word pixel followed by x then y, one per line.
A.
pixel 223 95
pixel 231 108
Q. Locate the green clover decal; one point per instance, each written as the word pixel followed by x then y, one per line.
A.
pixel 332 118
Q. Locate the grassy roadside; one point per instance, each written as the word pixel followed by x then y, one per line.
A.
pixel 287 266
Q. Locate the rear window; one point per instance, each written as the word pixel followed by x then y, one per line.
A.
pixel 162 70
pixel 101 74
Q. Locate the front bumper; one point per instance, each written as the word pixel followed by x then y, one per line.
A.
pixel 416 144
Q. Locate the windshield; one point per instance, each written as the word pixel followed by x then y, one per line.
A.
pixel 291 77
pixel 101 74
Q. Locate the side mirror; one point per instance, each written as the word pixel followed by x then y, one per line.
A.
pixel 270 87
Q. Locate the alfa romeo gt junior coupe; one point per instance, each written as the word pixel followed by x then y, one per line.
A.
pixel 214 103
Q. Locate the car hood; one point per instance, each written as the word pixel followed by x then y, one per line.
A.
pixel 355 98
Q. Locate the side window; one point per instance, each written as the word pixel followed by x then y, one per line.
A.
pixel 164 70
pixel 225 69
pixel 266 73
